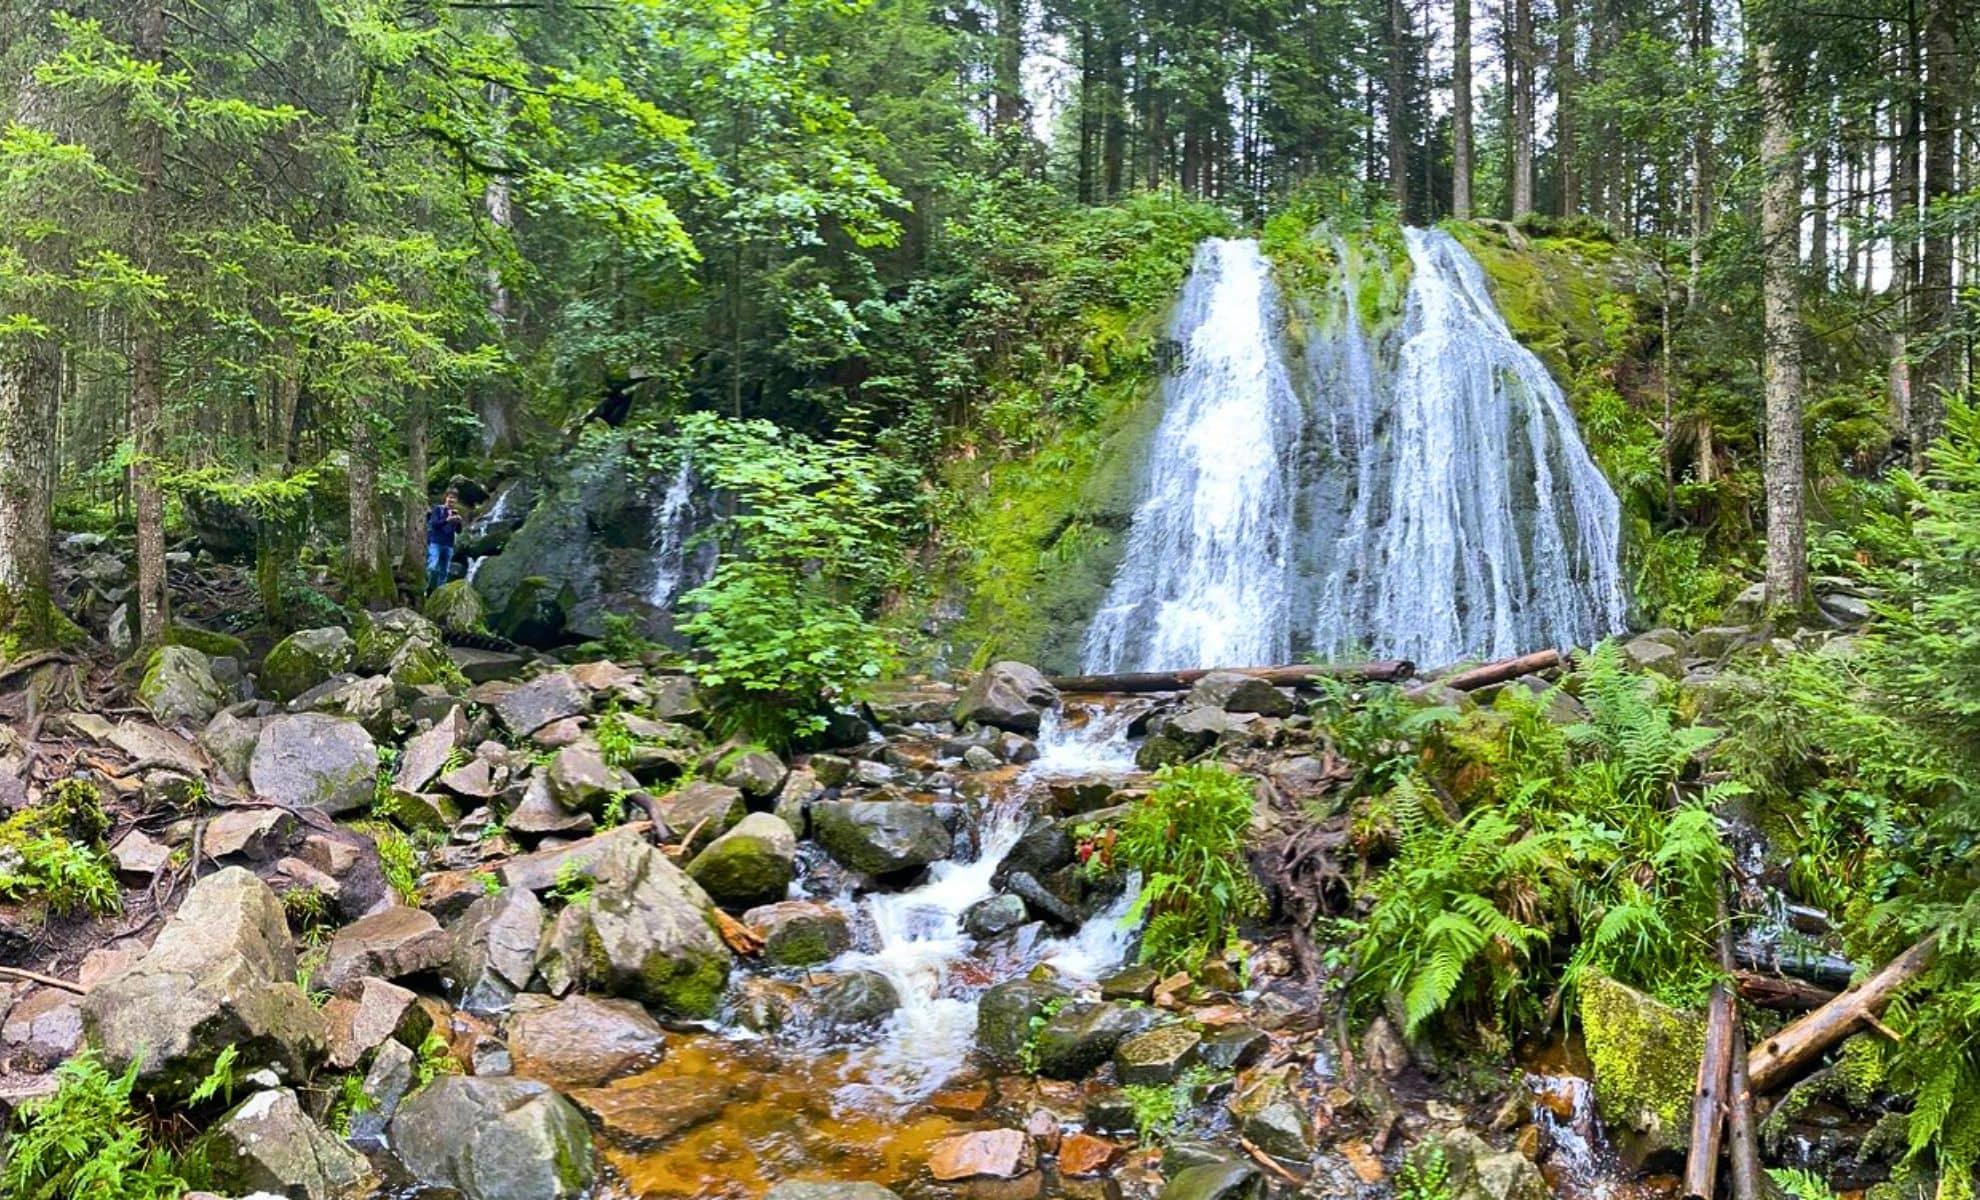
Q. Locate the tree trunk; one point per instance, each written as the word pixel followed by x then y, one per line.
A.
pixel 1780 231
pixel 1461 110
pixel 1566 35
pixel 1008 72
pixel 1519 67
pixel 30 383
pixel 1904 236
pixel 1701 153
pixel 414 559
pixel 147 368
pixel 1396 104
pixel 1113 137
pixel 1782 1057
pixel 370 570
pixel 1938 365
pixel 1289 676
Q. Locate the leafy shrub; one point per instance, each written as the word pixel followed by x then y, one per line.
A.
pixel 1161 1108
pixel 51 852
pixel 1377 728
pixel 1186 838
pixel 88 1141
pixel 399 862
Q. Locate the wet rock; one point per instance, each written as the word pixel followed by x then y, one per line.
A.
pixel 1131 983
pixel 178 687
pixel 851 999
pixel 1079 1037
pixel 268 1144
pixel 494 1139
pixel 308 760
pixel 305 659
pixel 222 973
pixel 389 944
pixel 1235 692
pixel 646 933
pixel 1014 748
pixel 1008 695
pixel 1227 1180
pixel 998 914
pixel 547 698
pixel 879 837
pixel 365 1014
pixel 754 863
pixel 799 1190
pixel 753 771
pixel 1041 849
pixel 638 1114
pixel 1231 1048
pixel 385 1085
pixel 1157 1056
pixel 1041 901
pixel 800 933
pixel 494 949
pixel 1082 1154
pixel 1004 1015
pixel 1645 1055
pixel 581 782
pixel 706 810
pixel 1269 1113
pixel 985 1154
pixel 582 1041
pixel 976 758
pixel 1478 1172
pixel 1654 655
pixel 1181 737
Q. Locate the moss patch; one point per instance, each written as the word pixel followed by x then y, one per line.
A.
pixel 1646 1056
pixel 209 642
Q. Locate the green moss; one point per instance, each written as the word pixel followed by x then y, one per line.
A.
pixel 801 948
pixel 1645 1055
pixel 30 621
pixel 209 642
pixel 695 992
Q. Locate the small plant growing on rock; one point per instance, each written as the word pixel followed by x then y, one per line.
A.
pixel 1027 1053
pixel 88 1140
pixel 1161 1108
pixel 1187 840
pixel 51 852
pixel 1425 1175
pixel 572 885
pixel 400 864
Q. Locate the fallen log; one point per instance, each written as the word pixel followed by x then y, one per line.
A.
pixel 1782 995
pixel 1499 672
pixel 1701 1165
pixel 1740 1146
pixel 1387 671
pixel 1795 1048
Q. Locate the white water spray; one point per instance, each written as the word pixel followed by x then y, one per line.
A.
pixel 673 526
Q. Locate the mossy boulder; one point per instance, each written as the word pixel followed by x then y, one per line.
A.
pixel 645 932
pixel 752 770
pixel 424 660
pixel 800 933
pixel 178 687
pixel 880 837
pixel 751 864
pixel 457 608
pixel 305 659
pixel 380 636
pixel 537 613
pixel 209 642
pixel 1005 1016
pixel 1645 1055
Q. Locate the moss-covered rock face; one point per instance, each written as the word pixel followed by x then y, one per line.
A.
pixel 178 687
pixel 1645 1055
pixel 457 608
pixel 209 642
pixel 304 659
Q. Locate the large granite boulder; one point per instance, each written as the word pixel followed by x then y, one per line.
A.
pixel 381 636
pixel 457 608
pixel 754 863
pixel 178 687
pixel 1008 695
pixel 303 660
pixel 268 1144
pixel 879 837
pixel 310 760
pixel 494 1138
pixel 222 973
pixel 494 953
pixel 547 698
pixel 646 932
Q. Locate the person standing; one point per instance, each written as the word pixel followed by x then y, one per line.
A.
pixel 443 524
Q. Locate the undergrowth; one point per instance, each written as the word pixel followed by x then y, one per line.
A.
pixel 1186 838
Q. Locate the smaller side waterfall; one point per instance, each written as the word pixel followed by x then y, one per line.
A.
pixel 1205 578
pixel 678 564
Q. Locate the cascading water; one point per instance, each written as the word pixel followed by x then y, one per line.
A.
pixel 1430 500
pixel 1204 580
pixel 678 564
pixel 1475 522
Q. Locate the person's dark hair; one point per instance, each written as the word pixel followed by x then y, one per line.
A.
pixel 453 494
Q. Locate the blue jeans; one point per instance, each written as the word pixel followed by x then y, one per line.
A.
pixel 439 561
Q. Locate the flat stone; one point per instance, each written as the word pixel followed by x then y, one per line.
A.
pixel 582 1041
pixel 308 760
pixel 538 872
pixel 559 734
pixel 547 698
pixel 1226 1180
pixel 255 834
pixel 800 933
pixel 473 779
pixel 1231 1047
pixel 267 1144
pixel 495 945
pixel 1269 1113
pixel 1157 1056
pixel 1132 983
pixel 1082 1154
pixel 538 814
pixel 705 810
pixel 427 752
pixel 985 1154
pixel 485 666
pixel 390 944
pixel 141 741
pixel 46 1028
pixel 138 858
pixel 637 1114
pixel 367 1012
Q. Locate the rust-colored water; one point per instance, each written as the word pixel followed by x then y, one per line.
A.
pixel 784 1120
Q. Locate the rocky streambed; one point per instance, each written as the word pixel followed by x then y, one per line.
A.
pixel 543 934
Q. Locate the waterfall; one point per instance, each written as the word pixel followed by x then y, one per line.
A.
pixel 677 565
pixel 1478 525
pixel 1205 580
pixel 1424 494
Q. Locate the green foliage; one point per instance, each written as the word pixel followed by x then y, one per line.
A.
pixel 1801 1184
pixel 1186 838
pixel 399 862
pixel 616 743
pixel 51 852
pixel 1161 1108
pixel 1027 1051
pixel 1425 1175
pixel 350 1100
pixel 1588 836
pixel 573 884
pixel 433 1059
pixel 88 1141
pixel 1378 728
